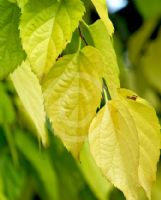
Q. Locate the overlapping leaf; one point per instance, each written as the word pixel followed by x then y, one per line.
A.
pixel 46 28
pixel 102 41
pixel 72 93
pixel 101 8
pixel 125 141
pixel 114 145
pixel 11 53
pixel 29 91
pixel 148 129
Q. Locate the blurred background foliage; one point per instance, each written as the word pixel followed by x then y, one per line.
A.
pixel 30 172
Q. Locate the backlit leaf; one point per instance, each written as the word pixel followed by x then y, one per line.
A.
pixel 72 93
pixel 101 8
pixel 125 143
pixel 102 41
pixel 29 91
pixel 46 28
pixel 148 129
pixel 114 145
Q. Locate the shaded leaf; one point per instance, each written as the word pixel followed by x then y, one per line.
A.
pixel 11 53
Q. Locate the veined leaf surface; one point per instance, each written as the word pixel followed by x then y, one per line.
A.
pixel 114 145
pixel 30 93
pixel 46 28
pixel 72 92
pixel 124 140
pixel 148 129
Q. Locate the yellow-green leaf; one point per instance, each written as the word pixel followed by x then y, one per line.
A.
pixel 98 183
pixel 114 145
pixel 72 92
pixel 30 93
pixel 148 129
pixel 46 28
pixel 102 41
pixel 101 8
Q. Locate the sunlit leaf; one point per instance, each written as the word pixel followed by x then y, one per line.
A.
pixel 29 91
pixel 46 28
pixel 72 93
pixel 148 129
pixel 101 8
pixel 103 42
pixel 114 145
pixel 11 53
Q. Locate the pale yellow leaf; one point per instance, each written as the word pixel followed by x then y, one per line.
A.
pixel 148 129
pixel 72 92
pixel 101 8
pixel 103 42
pixel 29 90
pixel 114 145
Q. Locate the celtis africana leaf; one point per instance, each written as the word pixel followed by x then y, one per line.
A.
pixel 101 8
pixel 11 53
pixel 148 129
pixel 46 27
pixel 124 140
pixel 114 145
pixel 72 92
pixel 102 41
pixel 29 90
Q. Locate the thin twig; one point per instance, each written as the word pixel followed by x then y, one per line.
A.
pixel 82 36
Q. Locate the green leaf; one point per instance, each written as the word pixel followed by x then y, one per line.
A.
pixel 7 113
pixel 148 8
pixel 124 140
pixel 29 90
pixel 114 145
pixel 148 129
pixel 101 8
pixel 151 63
pixel 72 92
pixel 14 180
pixel 11 53
pixel 46 28
pixel 103 42
pixel 41 163
pixel 98 183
